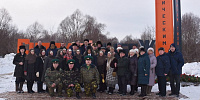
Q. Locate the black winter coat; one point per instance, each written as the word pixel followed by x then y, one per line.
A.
pixel 40 67
pixel 19 69
pixel 122 66
pixel 176 61
pixel 163 65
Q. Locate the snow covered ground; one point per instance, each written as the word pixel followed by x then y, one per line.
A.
pixel 7 81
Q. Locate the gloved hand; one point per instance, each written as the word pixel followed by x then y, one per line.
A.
pixel 37 74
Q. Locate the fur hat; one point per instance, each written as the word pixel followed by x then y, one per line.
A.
pixel 86 40
pixel 122 51
pixel 142 49
pixel 119 48
pixel 109 44
pixel 150 49
pixel 132 50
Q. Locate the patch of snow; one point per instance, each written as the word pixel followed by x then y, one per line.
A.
pixel 6 64
pixel 192 69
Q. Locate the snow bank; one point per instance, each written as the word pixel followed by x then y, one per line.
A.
pixel 192 69
pixel 6 64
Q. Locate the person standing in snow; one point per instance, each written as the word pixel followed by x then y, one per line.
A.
pixel 143 71
pixel 152 74
pixel 177 62
pixel 19 60
pixel 39 70
pixel 29 70
pixel 162 69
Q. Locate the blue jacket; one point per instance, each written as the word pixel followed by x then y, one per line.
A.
pixel 143 68
pixel 54 51
pixel 163 65
pixel 176 61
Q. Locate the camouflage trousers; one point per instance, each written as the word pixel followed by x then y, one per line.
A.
pixel 76 88
pixel 58 90
pixel 90 88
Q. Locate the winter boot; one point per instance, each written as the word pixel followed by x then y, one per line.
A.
pixel 132 90
pixel 20 87
pixel 77 95
pixel 17 88
pixel 93 96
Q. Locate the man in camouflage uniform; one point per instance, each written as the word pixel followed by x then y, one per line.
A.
pixel 53 78
pixel 71 79
pixel 89 77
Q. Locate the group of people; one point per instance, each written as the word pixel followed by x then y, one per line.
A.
pixel 97 68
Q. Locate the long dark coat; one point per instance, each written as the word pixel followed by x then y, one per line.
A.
pixel 143 68
pixel 40 67
pixel 122 66
pixel 133 67
pixel 30 67
pixel 176 61
pixel 19 69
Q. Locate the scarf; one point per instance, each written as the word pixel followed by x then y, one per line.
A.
pixel 31 58
pixel 109 60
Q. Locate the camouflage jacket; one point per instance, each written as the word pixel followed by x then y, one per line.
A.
pixel 89 75
pixel 53 76
pixel 71 76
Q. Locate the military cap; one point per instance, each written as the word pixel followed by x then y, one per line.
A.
pixel 55 60
pixel 88 57
pixel 71 61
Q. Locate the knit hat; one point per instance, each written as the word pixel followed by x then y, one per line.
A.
pixel 161 48
pixel 173 45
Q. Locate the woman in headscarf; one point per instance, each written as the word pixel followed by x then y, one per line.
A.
pixel 61 59
pixel 100 66
pixel 39 70
pixel 78 57
pixel 29 70
pixel 110 68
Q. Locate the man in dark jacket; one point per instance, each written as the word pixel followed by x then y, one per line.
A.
pixel 177 62
pixel 19 61
pixel 162 69
pixel 52 47
pixel 38 48
pixel 84 46
pixel 123 63
pixel 62 45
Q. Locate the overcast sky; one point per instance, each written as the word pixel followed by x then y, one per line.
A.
pixel 122 17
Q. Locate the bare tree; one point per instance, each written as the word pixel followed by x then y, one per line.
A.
pixel 190 37
pixel 35 31
pixel 148 34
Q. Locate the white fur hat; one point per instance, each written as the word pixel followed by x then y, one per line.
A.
pixel 150 49
pixel 119 48
pixel 136 50
pixel 132 50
